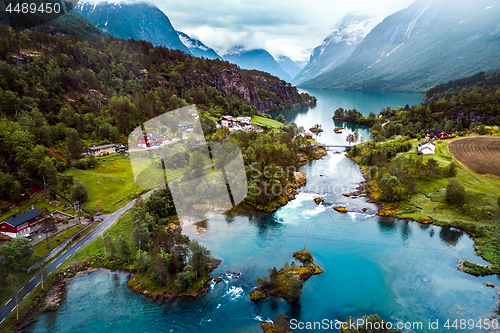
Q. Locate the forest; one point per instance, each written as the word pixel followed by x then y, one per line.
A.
pixel 457 106
pixel 62 93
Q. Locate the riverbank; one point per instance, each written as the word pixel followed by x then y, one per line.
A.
pixel 142 285
pixel 290 191
pixel 422 197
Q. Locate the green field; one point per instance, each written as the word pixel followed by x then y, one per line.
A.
pixel 482 194
pixel 110 185
pixel 261 121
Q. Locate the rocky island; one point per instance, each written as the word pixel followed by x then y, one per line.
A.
pixel 287 282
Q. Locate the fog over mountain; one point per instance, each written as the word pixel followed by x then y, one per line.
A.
pixel 256 59
pixel 430 42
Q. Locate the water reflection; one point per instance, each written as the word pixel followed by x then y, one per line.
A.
pixel 386 225
pixel 406 230
pixel 450 236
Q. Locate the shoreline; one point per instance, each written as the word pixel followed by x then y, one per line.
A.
pixel 390 210
pixel 300 181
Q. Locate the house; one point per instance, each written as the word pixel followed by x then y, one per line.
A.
pixel 143 141
pixel 122 148
pixel 99 150
pixel 155 139
pixel 200 142
pixel 244 120
pixel 20 225
pixel 308 134
pixel 185 127
pixel 439 134
pixel 426 148
pixel 60 216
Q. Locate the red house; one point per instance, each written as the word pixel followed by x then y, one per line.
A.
pixel 439 134
pixel 20 225
pixel 150 140
pixel 308 134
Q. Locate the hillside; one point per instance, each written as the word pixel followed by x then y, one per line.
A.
pixel 197 48
pixel 337 47
pixel 65 93
pixel 139 21
pixel 428 43
pixel 258 59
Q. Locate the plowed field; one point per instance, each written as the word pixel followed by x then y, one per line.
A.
pixel 478 154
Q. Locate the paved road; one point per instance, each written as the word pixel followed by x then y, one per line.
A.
pixel 28 287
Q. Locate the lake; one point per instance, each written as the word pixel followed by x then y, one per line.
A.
pixel 404 271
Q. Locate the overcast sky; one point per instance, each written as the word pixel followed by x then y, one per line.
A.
pixel 288 27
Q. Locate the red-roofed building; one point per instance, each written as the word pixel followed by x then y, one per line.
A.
pixel 21 224
pixel 309 134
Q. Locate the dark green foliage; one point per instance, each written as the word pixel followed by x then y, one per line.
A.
pixel 185 278
pixel 198 258
pixel 498 201
pixel 455 193
pixel 113 86
pixel 389 185
pixel 294 287
pixel 124 248
pixel 368 326
pixel 451 170
pixel 110 246
pixel 13 254
pixel 140 235
pixel 79 193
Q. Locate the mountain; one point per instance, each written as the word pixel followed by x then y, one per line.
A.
pixel 430 42
pixel 197 48
pixel 139 21
pixel 288 65
pixel 337 47
pixel 256 59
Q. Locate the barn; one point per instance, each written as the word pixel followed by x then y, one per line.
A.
pixel 21 224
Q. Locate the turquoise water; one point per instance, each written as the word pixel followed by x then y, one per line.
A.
pixel 404 271
pixel 330 100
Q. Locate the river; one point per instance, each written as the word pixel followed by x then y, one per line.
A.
pixel 404 271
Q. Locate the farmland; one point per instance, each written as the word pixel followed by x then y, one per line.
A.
pixel 478 154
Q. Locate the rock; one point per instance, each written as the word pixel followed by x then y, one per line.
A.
pixel 425 220
pixel 346 194
pixel 341 209
pixel 318 200
pixel 257 295
pixel 365 209
pixel 489 284
pixel 217 280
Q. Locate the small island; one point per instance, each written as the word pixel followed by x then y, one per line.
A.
pixel 316 129
pixel 287 282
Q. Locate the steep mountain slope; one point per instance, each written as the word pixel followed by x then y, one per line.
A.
pixel 337 47
pixel 256 59
pixel 288 65
pixel 430 42
pixel 197 48
pixel 139 21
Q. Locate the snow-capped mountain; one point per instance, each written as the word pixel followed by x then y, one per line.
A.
pixel 139 21
pixel 197 48
pixel 430 42
pixel 288 65
pixel 338 46
pixel 258 59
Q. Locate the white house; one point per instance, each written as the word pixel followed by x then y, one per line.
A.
pixel 427 148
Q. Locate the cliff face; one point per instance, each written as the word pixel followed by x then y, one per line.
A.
pixel 264 93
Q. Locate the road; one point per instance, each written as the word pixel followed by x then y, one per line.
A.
pixel 35 281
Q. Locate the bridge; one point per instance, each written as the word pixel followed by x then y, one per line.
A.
pixel 333 146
